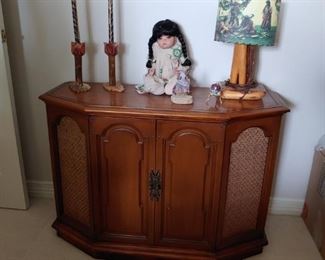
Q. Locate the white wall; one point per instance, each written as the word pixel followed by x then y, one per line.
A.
pixel 40 32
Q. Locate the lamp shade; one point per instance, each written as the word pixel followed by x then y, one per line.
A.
pixel 250 22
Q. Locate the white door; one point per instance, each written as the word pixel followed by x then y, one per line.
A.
pixel 13 192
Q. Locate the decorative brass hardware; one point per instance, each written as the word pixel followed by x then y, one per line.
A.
pixel 154 185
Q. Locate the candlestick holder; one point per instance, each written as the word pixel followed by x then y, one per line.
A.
pixel 111 49
pixel 78 49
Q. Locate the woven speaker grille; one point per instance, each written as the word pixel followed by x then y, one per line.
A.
pixel 73 166
pixel 246 171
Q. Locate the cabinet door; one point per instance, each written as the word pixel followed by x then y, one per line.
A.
pixel 188 159
pixel 125 155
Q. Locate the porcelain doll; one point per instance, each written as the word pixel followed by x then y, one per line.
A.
pixel 167 59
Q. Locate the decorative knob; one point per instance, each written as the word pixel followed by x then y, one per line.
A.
pixel 154 185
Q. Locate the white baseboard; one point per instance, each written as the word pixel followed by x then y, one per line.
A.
pixel 278 206
pixel 40 189
pixel 284 206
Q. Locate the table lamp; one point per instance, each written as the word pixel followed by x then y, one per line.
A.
pixel 247 24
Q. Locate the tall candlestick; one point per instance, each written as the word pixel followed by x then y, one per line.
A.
pixel 78 50
pixel 110 21
pixel 75 21
pixel 111 49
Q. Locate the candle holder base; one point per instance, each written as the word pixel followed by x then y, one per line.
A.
pixel 78 88
pixel 118 87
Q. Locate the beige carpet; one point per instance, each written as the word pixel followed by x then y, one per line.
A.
pixel 27 235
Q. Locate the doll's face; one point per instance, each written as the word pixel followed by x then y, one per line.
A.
pixel 166 41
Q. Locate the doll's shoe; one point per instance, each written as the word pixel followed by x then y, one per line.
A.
pixel 140 89
pixel 157 90
pixel 154 85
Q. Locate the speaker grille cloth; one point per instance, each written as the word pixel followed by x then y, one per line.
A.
pixel 73 166
pixel 246 171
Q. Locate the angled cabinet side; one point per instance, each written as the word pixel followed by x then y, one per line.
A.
pixel 248 165
pixel 68 133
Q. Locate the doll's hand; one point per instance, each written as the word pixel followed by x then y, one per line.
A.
pixel 176 71
pixel 151 71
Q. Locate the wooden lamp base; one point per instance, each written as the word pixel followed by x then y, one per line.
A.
pixel 241 84
pixel 255 93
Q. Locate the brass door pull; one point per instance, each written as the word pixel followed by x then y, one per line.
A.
pixel 154 185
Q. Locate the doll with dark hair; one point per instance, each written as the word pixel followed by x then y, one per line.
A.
pixel 167 58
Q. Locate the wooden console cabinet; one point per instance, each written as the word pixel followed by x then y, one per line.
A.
pixel 136 175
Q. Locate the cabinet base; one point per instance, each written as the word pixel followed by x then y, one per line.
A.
pixel 112 250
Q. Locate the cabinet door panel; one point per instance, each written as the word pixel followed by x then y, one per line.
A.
pixel 125 149
pixel 189 153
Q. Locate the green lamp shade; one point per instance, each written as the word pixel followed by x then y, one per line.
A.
pixel 250 22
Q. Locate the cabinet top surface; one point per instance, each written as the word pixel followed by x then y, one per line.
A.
pixel 98 100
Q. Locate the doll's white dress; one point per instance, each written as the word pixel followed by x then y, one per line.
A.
pixel 166 63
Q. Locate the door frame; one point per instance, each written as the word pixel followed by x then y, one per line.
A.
pixel 13 188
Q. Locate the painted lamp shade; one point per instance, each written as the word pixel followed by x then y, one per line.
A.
pixel 249 22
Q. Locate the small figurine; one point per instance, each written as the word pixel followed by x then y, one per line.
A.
pixel 167 63
pixel 182 84
pixel 215 90
pixel 181 90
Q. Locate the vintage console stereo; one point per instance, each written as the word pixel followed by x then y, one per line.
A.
pixel 135 175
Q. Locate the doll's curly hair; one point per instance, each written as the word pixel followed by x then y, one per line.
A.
pixel 169 28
